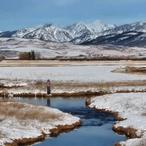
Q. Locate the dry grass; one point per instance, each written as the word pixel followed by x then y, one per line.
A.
pixel 135 69
pixel 131 69
pixel 99 84
pixel 60 85
pixel 26 112
pixel 39 85
pixel 79 89
pixel 16 63
pixel 144 114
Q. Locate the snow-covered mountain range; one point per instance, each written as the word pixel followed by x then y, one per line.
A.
pixel 95 33
pixel 77 33
pixel 133 34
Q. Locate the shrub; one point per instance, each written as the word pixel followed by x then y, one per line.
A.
pixel 29 55
pixel 2 57
pixel 24 56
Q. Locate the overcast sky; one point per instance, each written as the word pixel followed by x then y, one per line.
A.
pixel 25 13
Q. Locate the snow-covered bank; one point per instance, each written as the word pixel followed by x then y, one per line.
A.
pixel 24 88
pixel 37 88
pixel 23 123
pixel 132 108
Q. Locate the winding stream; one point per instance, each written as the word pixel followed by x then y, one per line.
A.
pixel 95 130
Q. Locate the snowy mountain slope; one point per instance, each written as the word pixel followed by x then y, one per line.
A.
pixel 95 33
pixel 82 32
pixel 49 32
pixel 11 47
pixel 7 33
pixel 129 34
pixel 76 33
pixel 137 26
pixel 129 38
pixel 22 32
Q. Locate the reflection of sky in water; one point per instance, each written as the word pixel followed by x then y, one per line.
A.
pixel 76 73
pixel 96 129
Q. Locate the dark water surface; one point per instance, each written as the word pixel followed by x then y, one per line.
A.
pixel 95 130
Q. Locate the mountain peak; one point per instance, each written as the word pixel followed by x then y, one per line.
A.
pixel 49 25
pixel 81 32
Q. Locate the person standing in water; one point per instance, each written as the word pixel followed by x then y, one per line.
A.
pixel 48 87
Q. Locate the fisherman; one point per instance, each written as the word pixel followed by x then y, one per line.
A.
pixel 48 87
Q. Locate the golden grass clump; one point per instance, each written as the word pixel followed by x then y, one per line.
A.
pixel 27 112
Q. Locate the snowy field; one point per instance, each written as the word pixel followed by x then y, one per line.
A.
pixel 131 107
pixel 66 73
pixel 24 122
pixel 10 48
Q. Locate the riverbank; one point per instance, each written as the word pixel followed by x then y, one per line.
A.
pixel 22 124
pixel 130 109
pixel 37 89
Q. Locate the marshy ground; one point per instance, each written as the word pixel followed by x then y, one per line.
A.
pixel 68 79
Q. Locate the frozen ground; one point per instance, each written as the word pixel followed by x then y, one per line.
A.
pixel 131 107
pixel 74 73
pixel 10 48
pixel 64 90
pixel 30 122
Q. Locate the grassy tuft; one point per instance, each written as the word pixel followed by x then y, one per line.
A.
pixel 26 112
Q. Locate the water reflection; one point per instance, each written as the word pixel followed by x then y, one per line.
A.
pixel 48 102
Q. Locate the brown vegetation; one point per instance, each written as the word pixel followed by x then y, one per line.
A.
pixel 144 114
pixel 54 132
pixel 129 132
pixel 131 69
pixel 29 55
pixel 26 112
pixel 47 63
pixel 63 94
pixel 76 85
pixel 29 112
pixel 26 141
